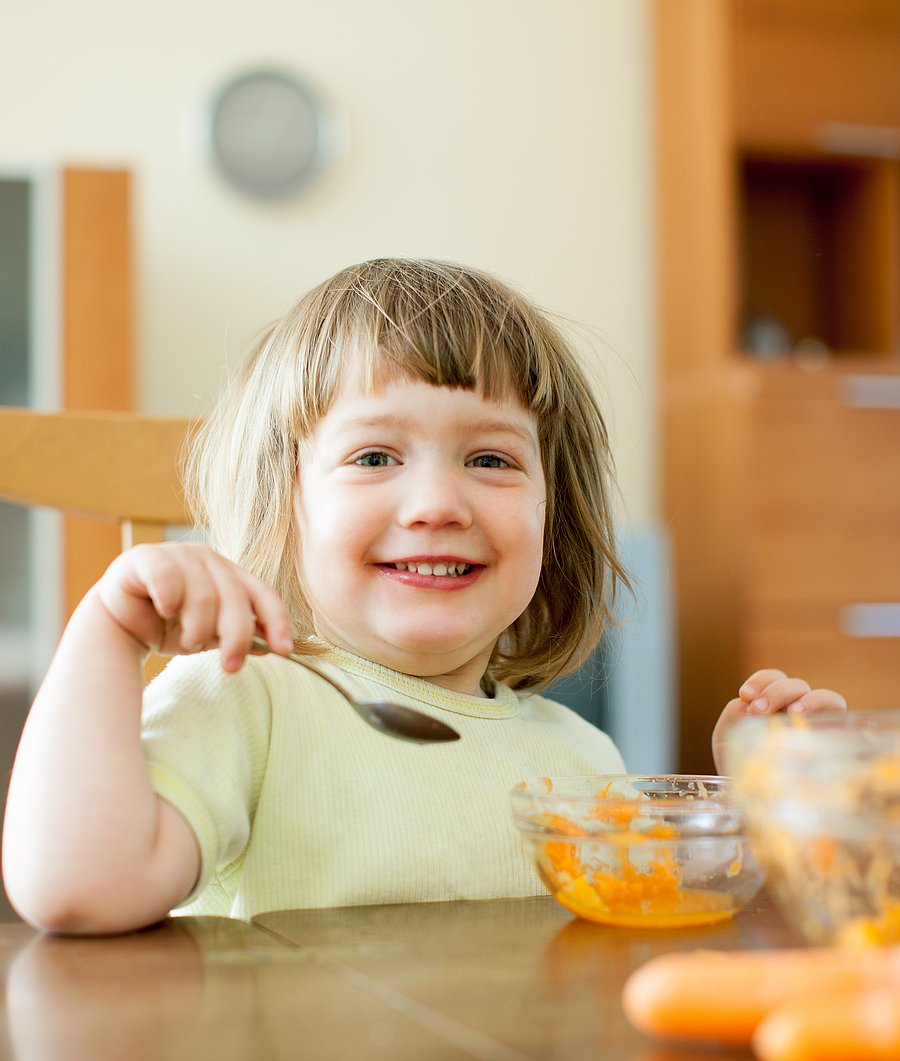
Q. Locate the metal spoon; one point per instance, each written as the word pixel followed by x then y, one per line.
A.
pixel 394 720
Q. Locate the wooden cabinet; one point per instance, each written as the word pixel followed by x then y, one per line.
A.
pixel 779 208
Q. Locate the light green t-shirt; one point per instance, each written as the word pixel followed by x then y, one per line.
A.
pixel 297 803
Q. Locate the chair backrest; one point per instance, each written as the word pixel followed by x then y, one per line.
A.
pixel 117 467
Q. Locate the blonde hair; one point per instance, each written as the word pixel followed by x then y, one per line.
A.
pixel 448 326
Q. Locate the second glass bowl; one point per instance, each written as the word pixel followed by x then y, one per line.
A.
pixel 822 799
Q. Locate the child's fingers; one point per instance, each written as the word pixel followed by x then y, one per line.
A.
pixel 818 700
pixel 758 681
pixel 155 574
pixel 143 591
pixel 789 694
pixel 272 617
pixel 778 695
pixel 245 603
pixel 184 597
pixel 224 606
pixel 236 614
pixel 198 618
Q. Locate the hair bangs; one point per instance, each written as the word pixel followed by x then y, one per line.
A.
pixel 424 320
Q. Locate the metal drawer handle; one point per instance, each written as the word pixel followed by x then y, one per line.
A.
pixel 871 620
pixel 871 392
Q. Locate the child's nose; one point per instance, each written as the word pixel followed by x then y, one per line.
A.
pixel 435 497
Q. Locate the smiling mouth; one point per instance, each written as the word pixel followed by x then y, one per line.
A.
pixel 452 569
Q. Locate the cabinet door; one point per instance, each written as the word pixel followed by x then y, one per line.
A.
pixel 819 75
pixel 826 517
pixel 823 568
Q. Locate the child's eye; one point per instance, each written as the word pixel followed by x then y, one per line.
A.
pixel 488 460
pixel 375 459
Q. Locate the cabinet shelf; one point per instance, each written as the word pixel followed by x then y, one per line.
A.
pixel 819 252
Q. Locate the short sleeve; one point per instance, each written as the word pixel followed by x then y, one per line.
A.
pixel 205 734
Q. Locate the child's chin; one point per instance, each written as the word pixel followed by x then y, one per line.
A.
pixel 422 650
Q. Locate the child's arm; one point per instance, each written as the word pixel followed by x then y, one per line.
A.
pixel 768 692
pixel 88 846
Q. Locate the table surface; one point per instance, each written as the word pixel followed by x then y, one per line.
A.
pixel 504 980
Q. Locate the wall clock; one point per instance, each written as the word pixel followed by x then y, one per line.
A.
pixel 266 133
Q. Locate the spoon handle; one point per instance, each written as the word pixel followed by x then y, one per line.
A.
pixel 260 645
pixel 394 720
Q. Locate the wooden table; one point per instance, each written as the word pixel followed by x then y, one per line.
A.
pixel 497 981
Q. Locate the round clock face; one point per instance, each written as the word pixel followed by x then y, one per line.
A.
pixel 266 134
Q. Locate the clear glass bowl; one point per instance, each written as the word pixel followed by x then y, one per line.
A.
pixel 638 850
pixel 822 799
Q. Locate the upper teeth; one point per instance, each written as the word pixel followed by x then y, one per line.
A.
pixel 434 569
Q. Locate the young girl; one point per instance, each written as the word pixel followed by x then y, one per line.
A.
pixel 409 483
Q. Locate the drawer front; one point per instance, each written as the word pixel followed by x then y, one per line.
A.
pixel 854 651
pixel 825 501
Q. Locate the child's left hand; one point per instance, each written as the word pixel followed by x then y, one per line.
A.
pixel 768 692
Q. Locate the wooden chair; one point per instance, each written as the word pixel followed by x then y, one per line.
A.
pixel 120 468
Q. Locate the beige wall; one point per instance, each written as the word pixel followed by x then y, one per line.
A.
pixel 509 134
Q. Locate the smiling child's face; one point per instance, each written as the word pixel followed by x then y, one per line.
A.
pixel 421 516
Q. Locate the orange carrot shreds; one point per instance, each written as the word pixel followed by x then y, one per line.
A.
pixel 886 772
pixel 632 889
pixel 822 853
pixel 862 1024
pixel 721 997
pixel 581 899
pixel 559 857
pixel 558 824
pixel 615 810
pixel 872 931
pixel 563 859
pixel 661 832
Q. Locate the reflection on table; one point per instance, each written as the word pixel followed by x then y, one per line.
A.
pixel 509 979
pixel 498 981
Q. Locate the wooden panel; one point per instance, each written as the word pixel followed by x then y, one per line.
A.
pixel 825 517
pixel 97 336
pixel 826 523
pixel 113 465
pixel 866 670
pixel 703 398
pixel 806 66
pixel 695 184
pixel 98 290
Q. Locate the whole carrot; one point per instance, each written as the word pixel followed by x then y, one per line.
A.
pixel 860 1025
pixel 721 996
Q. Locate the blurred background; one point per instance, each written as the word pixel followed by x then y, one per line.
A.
pixel 703 192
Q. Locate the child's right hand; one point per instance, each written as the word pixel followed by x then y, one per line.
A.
pixel 181 597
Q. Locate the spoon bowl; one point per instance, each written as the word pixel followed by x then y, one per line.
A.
pixel 393 720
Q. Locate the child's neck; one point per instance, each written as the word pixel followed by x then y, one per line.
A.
pixel 471 679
